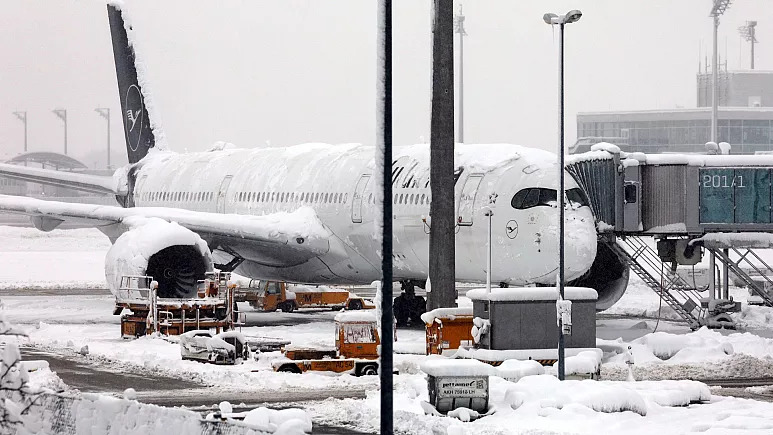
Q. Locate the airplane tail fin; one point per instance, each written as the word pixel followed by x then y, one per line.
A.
pixel 136 121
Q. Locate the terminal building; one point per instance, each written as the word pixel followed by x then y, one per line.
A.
pixel 745 120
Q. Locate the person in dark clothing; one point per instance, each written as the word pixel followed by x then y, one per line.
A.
pixel 408 307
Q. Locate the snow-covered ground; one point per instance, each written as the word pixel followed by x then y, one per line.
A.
pixel 539 405
pixel 57 259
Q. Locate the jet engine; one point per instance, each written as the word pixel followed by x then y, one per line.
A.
pixel 174 256
pixel 608 276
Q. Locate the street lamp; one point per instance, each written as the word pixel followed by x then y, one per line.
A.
pixel 553 19
pixel 105 113
pixel 62 114
pixel 718 8
pixel 459 28
pixel 748 32
pixel 23 118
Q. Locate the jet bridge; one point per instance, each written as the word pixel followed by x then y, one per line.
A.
pixel 659 211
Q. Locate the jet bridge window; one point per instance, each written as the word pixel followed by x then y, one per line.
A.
pixel 577 198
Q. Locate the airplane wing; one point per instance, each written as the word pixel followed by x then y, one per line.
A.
pixel 286 238
pixel 73 180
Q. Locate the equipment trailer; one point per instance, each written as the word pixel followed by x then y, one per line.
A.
pixel 211 308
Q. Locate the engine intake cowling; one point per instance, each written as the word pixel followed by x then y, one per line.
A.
pixel 174 256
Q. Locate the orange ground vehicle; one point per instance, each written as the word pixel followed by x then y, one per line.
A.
pixel 356 351
pixel 447 329
pixel 273 295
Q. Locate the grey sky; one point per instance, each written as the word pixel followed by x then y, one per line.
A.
pixel 292 71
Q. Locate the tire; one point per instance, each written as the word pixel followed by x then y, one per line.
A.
pixel 289 368
pixel 355 304
pixel 369 370
pixel 288 307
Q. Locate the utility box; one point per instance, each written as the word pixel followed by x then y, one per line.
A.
pixel 447 329
pixel 457 383
pixel 525 317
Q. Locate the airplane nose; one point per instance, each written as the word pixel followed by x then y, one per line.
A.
pixel 579 244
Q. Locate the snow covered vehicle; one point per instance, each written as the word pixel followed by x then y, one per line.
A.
pixel 274 295
pixel 356 350
pixel 224 348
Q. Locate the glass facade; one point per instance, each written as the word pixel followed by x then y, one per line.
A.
pixel 745 136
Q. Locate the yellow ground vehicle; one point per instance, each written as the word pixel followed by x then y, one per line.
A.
pixel 274 295
pixel 356 351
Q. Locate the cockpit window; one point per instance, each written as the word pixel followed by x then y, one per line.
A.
pixel 536 196
pixel 533 197
pixel 577 198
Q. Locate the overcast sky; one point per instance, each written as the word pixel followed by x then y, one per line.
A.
pixel 283 72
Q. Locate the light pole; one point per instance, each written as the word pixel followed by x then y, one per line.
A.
pixel 105 113
pixel 459 28
pixel 62 114
pixel 23 118
pixel 719 7
pixel 561 20
pixel 488 213
pixel 748 32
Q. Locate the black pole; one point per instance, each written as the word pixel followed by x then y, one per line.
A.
pixel 561 195
pixel 386 216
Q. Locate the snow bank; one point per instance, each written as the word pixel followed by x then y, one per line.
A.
pixel 549 392
pixel 513 370
pixel 519 354
pixel 279 420
pixel 583 363
pixel 532 294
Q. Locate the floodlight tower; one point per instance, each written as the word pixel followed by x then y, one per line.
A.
pixel 719 7
pixel 459 28
pixel 22 115
pixel 105 113
pixel 62 114
pixel 561 20
pixel 748 33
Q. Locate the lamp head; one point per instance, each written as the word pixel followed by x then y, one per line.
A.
pixel 572 16
pixel 550 18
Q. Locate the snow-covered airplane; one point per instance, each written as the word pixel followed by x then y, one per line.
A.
pixel 306 213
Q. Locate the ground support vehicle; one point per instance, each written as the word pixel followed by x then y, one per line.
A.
pixel 356 350
pixel 447 329
pixel 277 295
pixel 224 348
pixel 211 308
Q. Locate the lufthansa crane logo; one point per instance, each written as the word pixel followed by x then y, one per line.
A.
pixel 135 116
pixel 512 229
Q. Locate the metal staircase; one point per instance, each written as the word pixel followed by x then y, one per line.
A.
pixel 674 291
pixel 753 262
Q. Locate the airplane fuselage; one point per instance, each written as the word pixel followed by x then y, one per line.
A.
pixel 340 184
